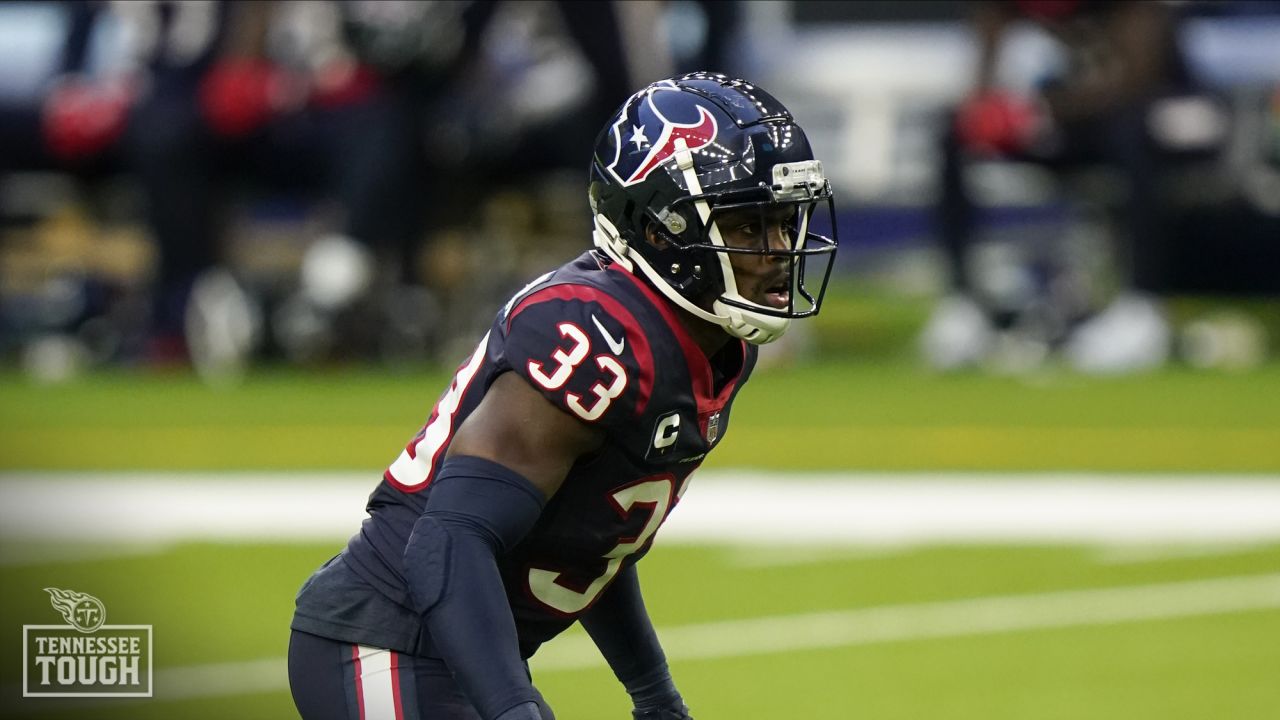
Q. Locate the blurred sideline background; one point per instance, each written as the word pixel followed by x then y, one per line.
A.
pixel 310 183
pixel 242 246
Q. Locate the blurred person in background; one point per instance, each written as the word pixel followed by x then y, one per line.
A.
pixel 60 131
pixel 75 120
pixel 525 502
pixel 1113 106
pixel 399 111
pixel 520 91
pixel 265 93
pixel 191 101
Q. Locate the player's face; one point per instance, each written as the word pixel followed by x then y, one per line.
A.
pixel 763 279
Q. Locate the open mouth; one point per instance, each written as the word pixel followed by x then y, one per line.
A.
pixel 778 294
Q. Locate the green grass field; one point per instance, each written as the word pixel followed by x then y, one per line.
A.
pixel 224 603
pixel 1166 650
pixel 879 416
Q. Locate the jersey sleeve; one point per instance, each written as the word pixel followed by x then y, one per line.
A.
pixel 584 351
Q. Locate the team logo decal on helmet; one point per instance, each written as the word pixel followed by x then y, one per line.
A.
pixel 696 135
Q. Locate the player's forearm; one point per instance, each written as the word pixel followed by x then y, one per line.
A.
pixel 477 511
pixel 620 626
pixel 1139 45
pixel 990 20
pixel 247 29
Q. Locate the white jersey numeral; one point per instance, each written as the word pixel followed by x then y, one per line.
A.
pixel 411 472
pixel 604 395
pixel 656 493
pixel 566 361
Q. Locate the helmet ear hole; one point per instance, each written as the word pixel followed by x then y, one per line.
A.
pixel 654 235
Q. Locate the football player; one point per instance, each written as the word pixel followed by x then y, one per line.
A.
pixel 1107 104
pixel 569 435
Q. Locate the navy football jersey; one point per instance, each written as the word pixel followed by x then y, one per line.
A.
pixel 603 346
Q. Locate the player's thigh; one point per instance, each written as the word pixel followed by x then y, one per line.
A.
pixel 321 678
pixel 333 680
pixel 436 695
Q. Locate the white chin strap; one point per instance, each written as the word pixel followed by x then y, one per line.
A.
pixel 754 327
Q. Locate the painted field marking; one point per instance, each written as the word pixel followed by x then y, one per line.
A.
pixel 722 506
pixel 972 617
pixel 943 619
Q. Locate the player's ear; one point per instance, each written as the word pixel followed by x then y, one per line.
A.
pixel 653 237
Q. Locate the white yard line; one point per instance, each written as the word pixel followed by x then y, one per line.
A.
pixel 972 617
pixel 721 506
pixel 911 509
pixel 951 618
pixel 221 679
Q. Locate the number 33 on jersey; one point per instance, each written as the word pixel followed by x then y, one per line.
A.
pixel 584 350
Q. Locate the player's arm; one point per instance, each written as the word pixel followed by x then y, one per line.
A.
pixel 990 21
pixel 516 427
pixel 620 627
pixel 506 459
pixel 1137 37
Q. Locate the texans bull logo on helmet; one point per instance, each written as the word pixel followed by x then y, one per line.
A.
pixel 632 164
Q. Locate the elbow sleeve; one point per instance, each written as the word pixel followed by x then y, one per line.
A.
pixel 476 505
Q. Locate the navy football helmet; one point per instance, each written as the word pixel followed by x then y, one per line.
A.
pixel 681 153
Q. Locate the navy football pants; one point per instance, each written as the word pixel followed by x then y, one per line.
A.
pixel 333 680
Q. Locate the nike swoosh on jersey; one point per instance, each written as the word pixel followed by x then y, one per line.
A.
pixel 615 346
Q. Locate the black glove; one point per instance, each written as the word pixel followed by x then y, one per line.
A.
pixel 655 697
pixel 675 710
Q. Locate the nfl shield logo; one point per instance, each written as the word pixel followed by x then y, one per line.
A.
pixel 713 428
